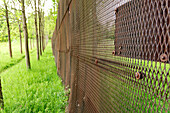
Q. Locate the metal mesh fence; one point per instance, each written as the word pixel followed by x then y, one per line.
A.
pixel 114 54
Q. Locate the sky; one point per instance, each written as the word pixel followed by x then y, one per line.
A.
pixel 48 5
pixel 1 2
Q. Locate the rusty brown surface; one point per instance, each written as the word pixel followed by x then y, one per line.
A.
pixel 142 30
pixel 114 55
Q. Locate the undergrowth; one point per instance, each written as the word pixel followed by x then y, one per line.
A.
pixel 37 90
pixel 5 60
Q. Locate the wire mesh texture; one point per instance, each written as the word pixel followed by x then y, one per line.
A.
pixel 114 55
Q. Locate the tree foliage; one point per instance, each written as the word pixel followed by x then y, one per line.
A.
pixel 14 27
pixel 15 17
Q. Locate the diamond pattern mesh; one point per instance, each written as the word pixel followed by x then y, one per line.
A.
pixel 114 55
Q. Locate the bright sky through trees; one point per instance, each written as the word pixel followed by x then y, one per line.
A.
pixel 21 19
pixel 47 7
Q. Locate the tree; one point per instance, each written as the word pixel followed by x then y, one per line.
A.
pixel 55 6
pixel 50 20
pixel 43 25
pixel 18 19
pixel 9 35
pixel 36 29
pixel 25 36
pixel 34 6
pixel 20 37
pixel 40 32
pixel 30 29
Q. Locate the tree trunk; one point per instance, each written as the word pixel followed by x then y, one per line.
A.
pixel 25 36
pixel 30 44
pixel 20 37
pixel 40 35
pixel 9 36
pixel 43 24
pixel 38 55
pixel 1 96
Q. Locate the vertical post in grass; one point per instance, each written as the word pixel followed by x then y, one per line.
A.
pixel 1 96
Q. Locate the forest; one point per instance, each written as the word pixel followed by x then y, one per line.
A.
pixel 29 81
pixel 28 20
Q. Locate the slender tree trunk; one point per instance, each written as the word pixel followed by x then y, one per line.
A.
pixel 40 33
pixel 9 36
pixel 25 36
pixel 43 41
pixel 30 44
pixel 1 96
pixel 43 24
pixel 36 29
pixel 20 37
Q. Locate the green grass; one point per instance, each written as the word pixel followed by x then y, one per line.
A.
pixel 154 101
pixel 37 90
pixel 5 60
pixel 148 94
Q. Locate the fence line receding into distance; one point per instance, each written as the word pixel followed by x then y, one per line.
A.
pixel 114 54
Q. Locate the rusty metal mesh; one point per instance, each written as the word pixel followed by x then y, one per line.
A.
pixel 114 54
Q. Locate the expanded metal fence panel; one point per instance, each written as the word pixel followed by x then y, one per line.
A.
pixel 142 30
pixel 114 55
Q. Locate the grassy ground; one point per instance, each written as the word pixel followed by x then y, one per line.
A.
pixel 5 60
pixel 37 90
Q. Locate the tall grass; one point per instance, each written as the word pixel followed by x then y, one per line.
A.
pixel 5 60
pixel 37 90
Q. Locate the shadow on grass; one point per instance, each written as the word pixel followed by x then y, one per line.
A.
pixel 13 63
